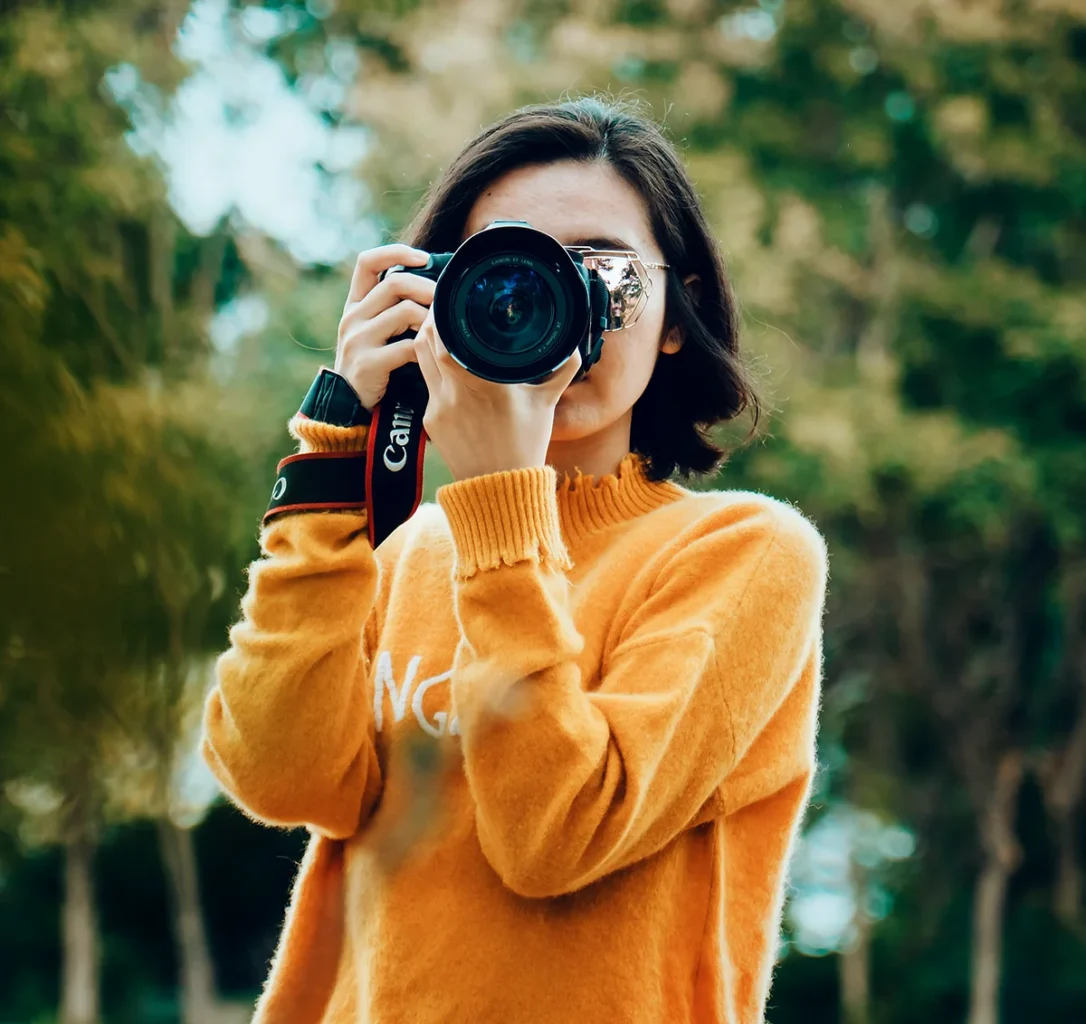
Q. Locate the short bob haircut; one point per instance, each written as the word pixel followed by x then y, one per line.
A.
pixel 703 384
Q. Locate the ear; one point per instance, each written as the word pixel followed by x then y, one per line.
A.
pixel 674 340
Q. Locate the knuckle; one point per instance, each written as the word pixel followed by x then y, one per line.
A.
pixel 404 285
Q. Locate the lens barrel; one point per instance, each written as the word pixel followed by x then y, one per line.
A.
pixel 512 305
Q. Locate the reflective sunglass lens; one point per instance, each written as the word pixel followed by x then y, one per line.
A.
pixel 626 287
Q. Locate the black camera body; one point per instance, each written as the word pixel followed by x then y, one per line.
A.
pixel 512 304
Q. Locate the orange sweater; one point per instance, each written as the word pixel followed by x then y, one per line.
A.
pixel 553 744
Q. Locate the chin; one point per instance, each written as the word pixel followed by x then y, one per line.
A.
pixel 568 422
pixel 564 434
pixel 572 421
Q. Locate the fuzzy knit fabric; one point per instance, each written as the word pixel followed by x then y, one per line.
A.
pixel 553 743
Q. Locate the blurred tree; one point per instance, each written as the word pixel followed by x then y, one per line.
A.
pixel 186 529
pixel 127 540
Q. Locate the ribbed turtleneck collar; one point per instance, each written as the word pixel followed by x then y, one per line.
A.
pixel 586 505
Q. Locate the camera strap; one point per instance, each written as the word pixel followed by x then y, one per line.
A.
pixel 385 479
pixel 318 482
pixel 397 448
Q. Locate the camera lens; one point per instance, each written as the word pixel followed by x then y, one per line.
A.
pixel 510 308
pixel 511 303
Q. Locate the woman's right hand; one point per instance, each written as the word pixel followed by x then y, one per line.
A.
pixel 377 311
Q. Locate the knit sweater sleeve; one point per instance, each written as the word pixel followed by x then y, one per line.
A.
pixel 284 728
pixel 572 777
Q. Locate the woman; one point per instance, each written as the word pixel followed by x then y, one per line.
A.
pixel 554 738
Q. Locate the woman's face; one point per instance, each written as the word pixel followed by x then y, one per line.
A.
pixel 589 204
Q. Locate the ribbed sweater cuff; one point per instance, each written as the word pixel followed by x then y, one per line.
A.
pixel 505 518
pixel 315 436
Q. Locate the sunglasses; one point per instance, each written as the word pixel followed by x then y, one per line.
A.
pixel 627 280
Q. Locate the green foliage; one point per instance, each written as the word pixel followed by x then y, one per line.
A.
pixel 900 192
pixel 125 545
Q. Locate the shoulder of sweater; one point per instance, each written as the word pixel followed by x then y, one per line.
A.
pixel 706 518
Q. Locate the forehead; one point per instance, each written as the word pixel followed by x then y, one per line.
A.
pixel 569 200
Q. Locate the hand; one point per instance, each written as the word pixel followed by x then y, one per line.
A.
pixel 377 311
pixel 480 427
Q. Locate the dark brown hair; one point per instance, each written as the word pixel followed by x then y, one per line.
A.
pixel 705 382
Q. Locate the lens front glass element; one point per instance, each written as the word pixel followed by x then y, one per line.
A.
pixel 510 308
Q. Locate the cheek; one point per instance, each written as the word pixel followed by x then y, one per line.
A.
pixel 616 381
pixel 627 361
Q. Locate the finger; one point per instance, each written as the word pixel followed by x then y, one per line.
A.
pixel 391 357
pixel 424 356
pixel 441 353
pixel 450 368
pixel 395 288
pixel 355 328
pixel 372 262
pixel 570 369
pixel 563 376
pixel 427 333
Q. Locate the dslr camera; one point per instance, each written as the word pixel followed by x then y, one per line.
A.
pixel 512 304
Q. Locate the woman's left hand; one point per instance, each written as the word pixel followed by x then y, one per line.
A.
pixel 478 426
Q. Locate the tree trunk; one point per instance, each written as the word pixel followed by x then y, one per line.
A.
pixel 1067 898
pixel 1001 856
pixel 79 981
pixel 163 236
pixel 1062 775
pixel 1065 785
pixel 854 963
pixel 198 1000
pixel 854 972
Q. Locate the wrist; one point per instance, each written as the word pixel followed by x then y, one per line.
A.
pixel 331 417
pixel 331 399
pixel 315 436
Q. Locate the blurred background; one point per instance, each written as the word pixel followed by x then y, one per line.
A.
pixel 900 190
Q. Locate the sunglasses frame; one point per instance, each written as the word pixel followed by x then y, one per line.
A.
pixel 640 267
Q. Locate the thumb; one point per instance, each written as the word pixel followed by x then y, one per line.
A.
pixel 563 376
